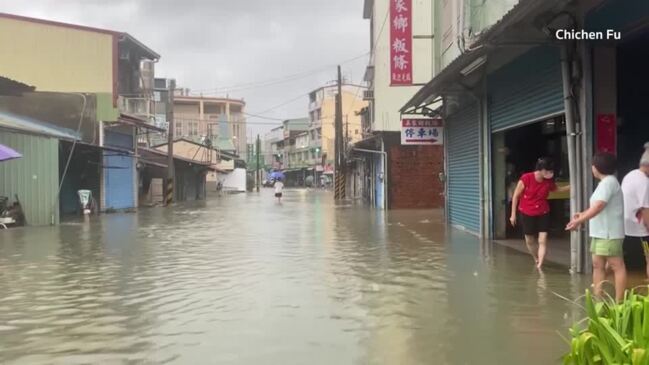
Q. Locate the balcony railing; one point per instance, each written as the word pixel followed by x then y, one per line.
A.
pixel 139 106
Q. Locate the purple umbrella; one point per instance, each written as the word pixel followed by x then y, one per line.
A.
pixel 7 153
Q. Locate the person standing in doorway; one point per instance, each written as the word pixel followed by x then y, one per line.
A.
pixel 531 201
pixel 606 228
pixel 279 190
pixel 635 188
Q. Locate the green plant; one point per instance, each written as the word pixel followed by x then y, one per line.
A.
pixel 613 334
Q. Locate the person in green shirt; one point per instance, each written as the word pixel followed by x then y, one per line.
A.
pixel 606 228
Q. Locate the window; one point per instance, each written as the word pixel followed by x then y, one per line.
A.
pixel 356 131
pixel 179 129
pixel 193 129
pixel 212 129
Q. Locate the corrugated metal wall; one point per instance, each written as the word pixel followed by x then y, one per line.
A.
pixel 34 177
pixel 526 89
pixel 463 147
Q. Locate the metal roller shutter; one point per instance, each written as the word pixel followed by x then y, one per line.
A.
pixel 526 89
pixel 464 169
pixel 119 172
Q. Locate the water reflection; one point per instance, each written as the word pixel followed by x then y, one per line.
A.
pixel 243 280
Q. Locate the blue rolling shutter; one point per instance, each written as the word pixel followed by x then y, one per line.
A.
pixel 463 148
pixel 526 89
pixel 119 172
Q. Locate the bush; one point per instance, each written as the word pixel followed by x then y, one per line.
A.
pixel 614 333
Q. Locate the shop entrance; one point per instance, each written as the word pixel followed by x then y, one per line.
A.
pixel 515 152
pixel 633 105
pixel 633 115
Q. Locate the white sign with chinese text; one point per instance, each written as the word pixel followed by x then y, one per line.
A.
pixel 422 132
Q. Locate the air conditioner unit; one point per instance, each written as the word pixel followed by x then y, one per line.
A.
pixel 368 95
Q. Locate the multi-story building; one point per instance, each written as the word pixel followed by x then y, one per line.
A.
pixel 222 120
pixel 274 148
pixel 322 112
pixel 99 76
pixel 528 79
pixel 385 166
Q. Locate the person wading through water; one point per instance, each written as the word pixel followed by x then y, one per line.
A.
pixel 531 201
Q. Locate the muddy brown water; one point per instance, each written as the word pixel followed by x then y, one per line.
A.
pixel 243 280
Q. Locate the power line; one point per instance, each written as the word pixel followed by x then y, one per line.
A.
pixel 270 82
pixel 282 104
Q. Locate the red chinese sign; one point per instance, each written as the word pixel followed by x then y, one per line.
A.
pixel 607 133
pixel 422 132
pixel 400 42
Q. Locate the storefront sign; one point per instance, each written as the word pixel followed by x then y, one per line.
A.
pixel 422 132
pixel 607 133
pixel 401 42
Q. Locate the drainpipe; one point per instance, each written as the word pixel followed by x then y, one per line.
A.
pixel 571 134
pixel 385 170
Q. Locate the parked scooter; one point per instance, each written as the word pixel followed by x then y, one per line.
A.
pixel 11 215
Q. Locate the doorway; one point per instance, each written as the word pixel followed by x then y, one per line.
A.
pixel 515 152
pixel 633 115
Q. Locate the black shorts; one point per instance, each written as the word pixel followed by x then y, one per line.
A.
pixel 635 251
pixel 278 195
pixel 532 225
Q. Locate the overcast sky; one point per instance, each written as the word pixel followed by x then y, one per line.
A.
pixel 209 45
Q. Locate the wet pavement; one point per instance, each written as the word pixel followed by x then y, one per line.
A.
pixel 243 280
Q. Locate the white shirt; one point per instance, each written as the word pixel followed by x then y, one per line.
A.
pixel 609 223
pixel 279 186
pixel 635 187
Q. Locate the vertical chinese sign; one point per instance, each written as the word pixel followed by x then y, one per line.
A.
pixel 607 133
pixel 400 42
pixel 422 132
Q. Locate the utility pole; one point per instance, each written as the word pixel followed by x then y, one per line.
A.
pixel 258 173
pixel 339 176
pixel 169 192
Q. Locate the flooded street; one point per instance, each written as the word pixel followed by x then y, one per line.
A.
pixel 243 280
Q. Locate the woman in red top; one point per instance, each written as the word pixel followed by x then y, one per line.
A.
pixel 532 192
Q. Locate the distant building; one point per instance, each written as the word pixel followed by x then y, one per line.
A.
pixel 221 120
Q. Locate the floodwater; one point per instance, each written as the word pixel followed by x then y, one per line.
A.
pixel 243 280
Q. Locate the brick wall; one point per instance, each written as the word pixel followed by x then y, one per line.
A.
pixel 414 177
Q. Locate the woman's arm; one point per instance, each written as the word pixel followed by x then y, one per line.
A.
pixel 520 187
pixel 586 215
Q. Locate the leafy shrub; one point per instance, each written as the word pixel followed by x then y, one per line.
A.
pixel 613 334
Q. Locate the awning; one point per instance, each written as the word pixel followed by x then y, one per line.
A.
pixel 138 122
pixel 29 125
pixel 491 38
pixel 160 158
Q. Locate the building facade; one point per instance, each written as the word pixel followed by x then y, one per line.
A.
pixel 222 120
pixel 87 74
pixel 383 169
pixel 519 91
